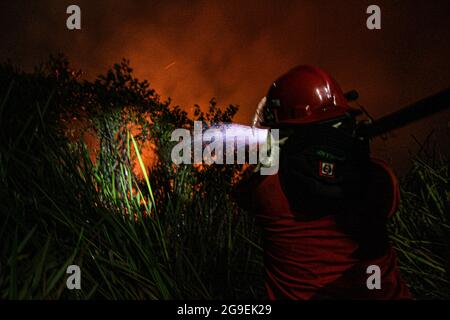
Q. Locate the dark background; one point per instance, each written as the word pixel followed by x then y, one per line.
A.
pixel 232 50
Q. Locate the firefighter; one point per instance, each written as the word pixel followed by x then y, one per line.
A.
pixel 323 215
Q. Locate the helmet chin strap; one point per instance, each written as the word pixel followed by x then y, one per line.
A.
pixel 258 117
pixel 337 125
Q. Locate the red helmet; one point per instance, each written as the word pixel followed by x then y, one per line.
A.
pixel 304 95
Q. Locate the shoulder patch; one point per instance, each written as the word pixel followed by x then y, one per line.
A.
pixel 327 169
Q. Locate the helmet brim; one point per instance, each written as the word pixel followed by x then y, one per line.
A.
pixel 318 116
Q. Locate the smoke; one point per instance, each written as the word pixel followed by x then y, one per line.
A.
pixel 232 50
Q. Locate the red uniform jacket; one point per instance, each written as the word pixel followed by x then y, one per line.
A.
pixel 316 259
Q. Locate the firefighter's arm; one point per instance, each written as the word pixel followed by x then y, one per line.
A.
pixel 250 177
pixel 243 189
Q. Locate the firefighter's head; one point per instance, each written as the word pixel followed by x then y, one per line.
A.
pixel 305 95
pixel 322 160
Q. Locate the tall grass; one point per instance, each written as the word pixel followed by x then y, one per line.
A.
pixel 421 229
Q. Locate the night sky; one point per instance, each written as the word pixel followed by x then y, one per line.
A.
pixel 232 50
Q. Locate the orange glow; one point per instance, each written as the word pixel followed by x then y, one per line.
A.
pixel 195 50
